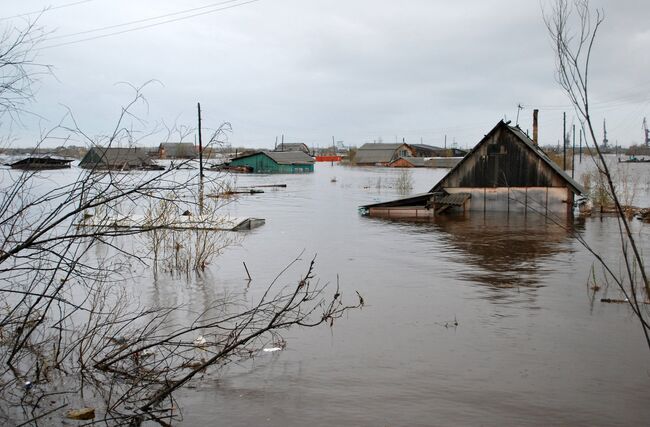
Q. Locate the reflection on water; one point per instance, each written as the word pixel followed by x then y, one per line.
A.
pixel 509 253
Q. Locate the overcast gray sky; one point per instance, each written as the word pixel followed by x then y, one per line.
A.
pixel 358 70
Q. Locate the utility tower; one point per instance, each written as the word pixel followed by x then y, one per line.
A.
pixel 646 132
pixel 605 141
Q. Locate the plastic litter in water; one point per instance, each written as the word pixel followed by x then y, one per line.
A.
pixel 270 349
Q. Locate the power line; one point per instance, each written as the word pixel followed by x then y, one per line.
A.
pixel 140 21
pixel 142 27
pixel 46 9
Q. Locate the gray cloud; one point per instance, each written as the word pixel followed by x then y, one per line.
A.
pixel 358 70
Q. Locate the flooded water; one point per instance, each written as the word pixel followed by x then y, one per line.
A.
pixel 531 347
pixel 476 320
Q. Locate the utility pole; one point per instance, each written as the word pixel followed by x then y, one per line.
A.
pixel 581 145
pixel 564 140
pixel 573 153
pixel 198 106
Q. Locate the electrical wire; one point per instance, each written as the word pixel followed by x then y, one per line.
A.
pixel 140 21
pixel 46 9
pixel 142 27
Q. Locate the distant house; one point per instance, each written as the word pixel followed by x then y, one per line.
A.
pixel 275 162
pixel 112 158
pixel 177 150
pixel 372 154
pixel 506 171
pixel 408 162
pixel 292 146
pixel 424 150
pixel 41 163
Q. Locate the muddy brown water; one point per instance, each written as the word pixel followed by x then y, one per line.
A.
pixel 532 347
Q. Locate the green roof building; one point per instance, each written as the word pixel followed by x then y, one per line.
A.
pixel 275 162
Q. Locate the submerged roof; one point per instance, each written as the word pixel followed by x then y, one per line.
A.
pixel 415 161
pixel 283 157
pixel 377 152
pixel 115 156
pixel 522 138
pixel 42 160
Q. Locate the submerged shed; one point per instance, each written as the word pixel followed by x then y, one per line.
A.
pixel 505 172
pixel 113 158
pixel 275 162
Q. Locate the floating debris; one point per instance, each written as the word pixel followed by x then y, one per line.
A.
pixel 182 222
pixel 200 341
pixel 276 346
pixel 81 414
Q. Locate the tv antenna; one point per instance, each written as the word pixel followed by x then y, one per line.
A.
pixel 519 108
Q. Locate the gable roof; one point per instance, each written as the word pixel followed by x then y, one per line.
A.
pixel 529 144
pixel 415 161
pixel 283 157
pixel 292 146
pixel 377 152
pixel 115 157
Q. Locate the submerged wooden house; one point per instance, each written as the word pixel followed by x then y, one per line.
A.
pixel 41 163
pixel 274 162
pixel 505 172
pixel 372 154
pixel 113 158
